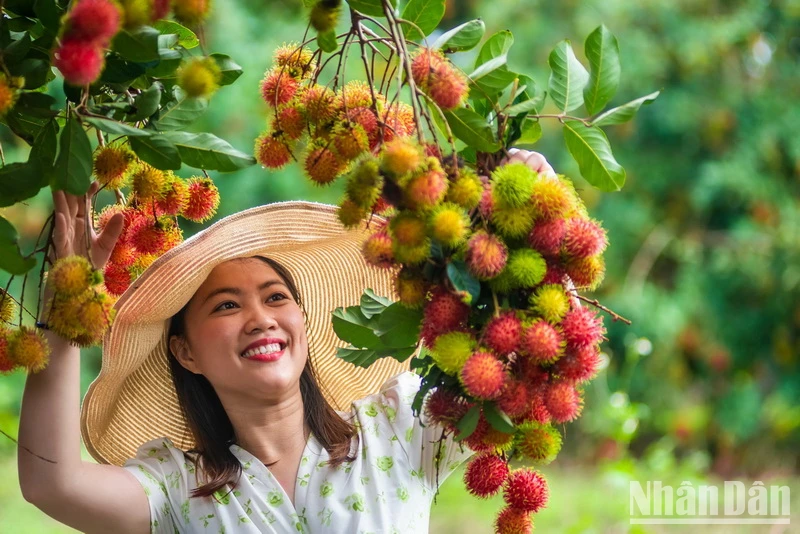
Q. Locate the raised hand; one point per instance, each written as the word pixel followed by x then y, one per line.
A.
pixel 532 159
pixel 71 224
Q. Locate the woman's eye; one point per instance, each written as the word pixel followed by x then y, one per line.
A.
pixel 225 306
pixel 281 295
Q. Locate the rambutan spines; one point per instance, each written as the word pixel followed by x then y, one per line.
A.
pixel 295 57
pixel 513 521
pixel 322 166
pixel 323 15
pixel 584 238
pixel 80 62
pixel 93 21
pixel 485 475
pixel 538 443
pixel 401 156
pixel 550 301
pixel 444 408
pixel 365 183
pixel 116 278
pixel 278 87
pixel 7 365
pixel 525 490
pixel 552 199
pixel 435 75
pixel 28 348
pixel 483 376
pixel 445 311
pixel 449 224
pixel 111 165
pixel 191 12
pixel 350 141
pixel 547 236
pixel 466 190
pixel 512 185
pixel 8 308
pixel 318 104
pixel 377 250
pixel 486 255
pixel 203 199
pixel 527 267
pixel 174 200
pixel 272 151
pixel 582 326
pixel 579 364
pixel 452 350
pixel 586 273
pixel 71 275
pixel 289 122
pixel 152 236
pixel 411 287
pixel 563 401
pixel 503 333
pixel 199 77
pixel 542 342
pixel 515 399
pixel 426 189
pixel 149 183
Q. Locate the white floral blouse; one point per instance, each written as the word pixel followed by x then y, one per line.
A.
pixel 387 489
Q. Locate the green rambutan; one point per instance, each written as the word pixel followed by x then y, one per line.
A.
pixel 563 401
pixel 28 348
pixel 412 255
pixel 513 223
pixel 466 190
pixel 322 165
pixel 525 490
pixel 272 151
pixel 411 287
pixel 483 376
pixel 203 199
pixel 111 165
pixel 401 156
pixel 324 15
pixel 512 185
pixel 539 443
pixel 486 255
pixel 547 236
pixel 350 214
pixel 542 342
pixel 527 267
pixel 452 350
pixel 365 182
pixel 503 282
pixel 449 224
pixel 550 301
pixel 584 238
pixel 503 333
pixel 586 273
pixel 71 275
pixel 377 250
pixel 485 475
pixel 513 521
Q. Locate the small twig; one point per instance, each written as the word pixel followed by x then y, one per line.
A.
pixel 594 302
pixel 561 117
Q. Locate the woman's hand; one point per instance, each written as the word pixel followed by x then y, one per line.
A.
pixel 69 235
pixel 532 159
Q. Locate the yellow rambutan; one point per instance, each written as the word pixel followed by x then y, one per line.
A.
pixel 28 348
pixel 586 273
pixel 96 314
pixel 298 59
pixel 424 190
pixel 401 156
pixel 466 190
pixel 7 307
pixel 191 12
pixel 551 302
pixel 513 223
pixel 377 250
pixel 318 104
pixel 111 165
pixel 408 229
pixel 149 183
pixel 350 141
pixel 324 15
pixel 354 94
pixel 62 315
pixel 272 151
pixel 199 77
pixel 71 275
pixel 411 287
pixel 449 224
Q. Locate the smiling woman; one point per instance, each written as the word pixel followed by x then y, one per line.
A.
pixel 221 402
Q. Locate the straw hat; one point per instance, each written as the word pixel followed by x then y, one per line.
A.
pixel 133 401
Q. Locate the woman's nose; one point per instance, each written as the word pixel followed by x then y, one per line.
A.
pixel 260 318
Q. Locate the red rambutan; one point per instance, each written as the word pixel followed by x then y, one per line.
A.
pixel 278 87
pixel 514 400
pixel 290 122
pixel 563 401
pixel 93 21
pixel 584 238
pixel 81 63
pixel 447 87
pixel 513 521
pixel 503 333
pixel 427 189
pixel 586 272
pixel 444 408
pixel 547 236
pixel 322 166
pixel 486 204
pixel 483 376
pixel 116 278
pixel 486 255
pixel 525 490
pixel 203 199
pixel 272 152
pixel 485 475
pixel 318 104
pixel 582 326
pixel 579 364
pixel 445 311
pixel 542 342
pixel 175 198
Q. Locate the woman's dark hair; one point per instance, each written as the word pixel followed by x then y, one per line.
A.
pixel 212 429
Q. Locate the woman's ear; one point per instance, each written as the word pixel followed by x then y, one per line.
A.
pixel 180 348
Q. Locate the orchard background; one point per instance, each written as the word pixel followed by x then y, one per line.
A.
pixel 704 255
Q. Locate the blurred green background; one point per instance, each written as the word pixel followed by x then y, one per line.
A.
pixel 704 255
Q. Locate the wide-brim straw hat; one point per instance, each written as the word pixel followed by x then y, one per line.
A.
pixel 133 400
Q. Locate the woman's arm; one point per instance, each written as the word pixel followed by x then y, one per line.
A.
pixel 83 495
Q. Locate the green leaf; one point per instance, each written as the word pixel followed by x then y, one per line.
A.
pixel 398 326
pixel 121 71
pixel 423 14
pixel 73 167
pixel 327 41
pixel 139 45
pixel 373 8
pixel 180 112
pixel 43 154
pixel 17 49
pixel 366 357
pixel 11 259
pixel 373 304
pixel 36 104
pixel 36 72
pixel 472 129
pixel 461 38
pixel 490 66
pixel 462 279
pixel 567 77
pixel 530 132
pixel 157 150
pixel 492 83
pixel 49 13
pixel 497 45
pixel 351 326
pixel 602 51
pixel 591 150
pixel 498 418
pixel 230 69
pixel 146 103
pixel 625 112
pixel 186 37
pixel 467 425
pixel 19 181
pixel 115 127
pixel 25 126
pixel 530 97
pixel 207 151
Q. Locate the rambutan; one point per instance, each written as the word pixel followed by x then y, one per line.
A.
pixel 452 350
pixel 7 365
pixel 81 63
pixel 350 141
pixel 503 282
pixel 401 156
pixel 149 235
pixel 449 224
pixel 411 287
pixel 444 408
pixel 124 253
pixel 289 122
pixel 399 121
pixel 408 229
pixel 411 255
pixel 424 63
pixel 318 104
pixel 512 223
pixel 582 327
pixel 552 199
pixel 586 273
pixel 486 438
pixel 111 164
pixel 298 59
pixel 426 189
pixel 28 348
pixel 525 490
pixel 584 238
pixel 354 94
pixel 367 119
pixel 447 86
pixel 143 261
pixel 324 15
pixel 550 301
pixel 547 236
pixel 8 307
pixel 513 521
pixel 160 9
pixel 563 401
pixel 272 151
pixel 542 342
pixel 514 400
pixel 579 364
pixel 485 475
pixel 93 21
pixel 512 185
pixel 96 314
pixel 278 87
pixel 191 12
pixel 483 376
pixel 527 267
pixel 539 411
pixel 539 443
pixel 486 204
pixel 466 190
pixel 149 183
pixel 377 250
pixel 365 182
pixel 350 214
pixel 203 199
pixel 486 255
pixel 71 275
pixel 322 166
pixel 8 95
pixel 102 218
pixel 116 278
pixel 503 333
pixel 175 199
pixel 445 311
pixel 199 77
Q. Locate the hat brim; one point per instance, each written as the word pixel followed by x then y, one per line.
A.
pixel 133 399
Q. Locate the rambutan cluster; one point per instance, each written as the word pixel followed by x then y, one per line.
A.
pixel 434 74
pixel 87 31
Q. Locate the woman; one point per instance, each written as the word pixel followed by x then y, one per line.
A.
pixel 209 354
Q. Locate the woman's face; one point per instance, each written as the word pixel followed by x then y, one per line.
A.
pixel 245 333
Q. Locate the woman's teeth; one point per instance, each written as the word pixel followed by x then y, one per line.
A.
pixel 264 349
